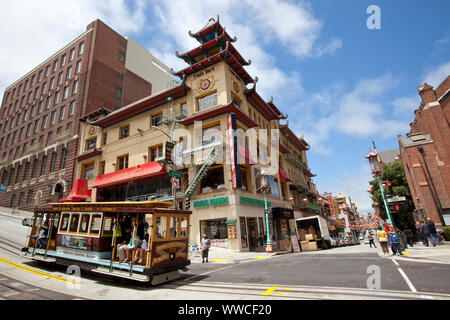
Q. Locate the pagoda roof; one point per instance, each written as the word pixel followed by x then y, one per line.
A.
pixel 142 105
pixel 211 26
pixel 197 54
pixel 274 107
pixel 298 142
pixel 224 55
pixel 213 111
pixel 257 102
pixel 96 113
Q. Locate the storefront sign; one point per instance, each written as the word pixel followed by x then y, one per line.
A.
pixel 210 202
pixel 169 149
pixel 257 202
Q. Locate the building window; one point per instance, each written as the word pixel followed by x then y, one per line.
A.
pixel 184 109
pixel 53 118
pixel 72 108
pixel 41 140
pixel 56 98
pixel 55 65
pixel 44 122
pixel 30 196
pixel 66 93
pixel 62 113
pixel 27 169
pixel 122 162
pixel 63 158
pixel 69 127
pixel 44 87
pixel 36 93
pixel 48 102
pixel 49 138
pixel 63 60
pixel 207 102
pixel 47 71
pixel 60 77
pixel 36 126
pixel 91 143
pixel 53 165
pixel 69 73
pixel 44 165
pixel 121 56
pixel 214 180
pixel 118 93
pixel 78 67
pixel 87 171
pixel 211 134
pixel 81 48
pixel 157 119
pixel 29 130
pixel 75 87
pixel 40 76
pixel 156 152
pixel 124 131
pixel 58 131
pixel 35 167
pixel 24 149
pixel 72 54
pixel 52 83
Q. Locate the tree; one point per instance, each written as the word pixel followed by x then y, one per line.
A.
pixel 395 174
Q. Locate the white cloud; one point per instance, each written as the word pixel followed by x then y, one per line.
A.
pixel 435 76
pixel 406 105
pixel 47 25
pixel 358 112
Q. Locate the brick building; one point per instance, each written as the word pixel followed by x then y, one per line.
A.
pixel 425 153
pixel 39 114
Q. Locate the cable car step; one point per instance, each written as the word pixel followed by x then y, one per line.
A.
pixel 122 274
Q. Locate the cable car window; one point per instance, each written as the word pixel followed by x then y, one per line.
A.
pixel 173 230
pixel 108 226
pixel 183 227
pixel 64 222
pixel 161 225
pixel 84 223
pixel 96 223
pixel 74 223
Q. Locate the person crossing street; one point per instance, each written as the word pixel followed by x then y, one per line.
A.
pixel 206 244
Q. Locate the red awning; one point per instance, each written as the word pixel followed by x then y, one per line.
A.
pixel 148 170
pixel 79 192
pixel 283 175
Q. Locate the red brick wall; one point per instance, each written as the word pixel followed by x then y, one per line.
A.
pixel 134 88
pixel 432 118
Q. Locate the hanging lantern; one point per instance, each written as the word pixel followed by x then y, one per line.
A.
pixel 389 184
pixel 369 190
pixel 305 200
pixel 384 186
pixel 320 199
pixel 397 207
pixel 291 199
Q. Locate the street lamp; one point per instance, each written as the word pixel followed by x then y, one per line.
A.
pixel 376 171
pixel 264 187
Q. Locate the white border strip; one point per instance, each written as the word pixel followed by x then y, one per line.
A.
pixel 408 282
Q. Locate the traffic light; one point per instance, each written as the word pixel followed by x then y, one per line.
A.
pixel 180 203
pixel 187 203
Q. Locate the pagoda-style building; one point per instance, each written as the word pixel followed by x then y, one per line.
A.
pixel 215 94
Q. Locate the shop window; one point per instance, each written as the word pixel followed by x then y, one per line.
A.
pixel 214 229
pixel 207 102
pixel 122 162
pixel 214 180
pixel 96 223
pixel 161 225
pixel 245 178
pixel 74 223
pixel 84 225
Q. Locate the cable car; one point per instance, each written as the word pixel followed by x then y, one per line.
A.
pixel 88 234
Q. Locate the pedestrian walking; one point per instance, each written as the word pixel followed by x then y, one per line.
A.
pixel 409 237
pixel 424 233
pixel 432 232
pixel 383 240
pixel 206 244
pixel 394 242
pixel 370 237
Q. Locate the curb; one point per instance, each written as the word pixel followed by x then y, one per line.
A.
pixel 411 259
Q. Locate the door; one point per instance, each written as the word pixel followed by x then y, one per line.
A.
pixel 252 233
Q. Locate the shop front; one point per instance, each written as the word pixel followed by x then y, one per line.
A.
pixel 283 228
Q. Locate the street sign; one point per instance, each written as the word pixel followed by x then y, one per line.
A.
pixel 396 199
pixel 175 183
pixel 176 174
pixel 169 148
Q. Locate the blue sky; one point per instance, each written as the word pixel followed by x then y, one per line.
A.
pixel 342 84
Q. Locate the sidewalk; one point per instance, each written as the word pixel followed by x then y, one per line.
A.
pixel 14 213
pixel 222 255
pixel 421 253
